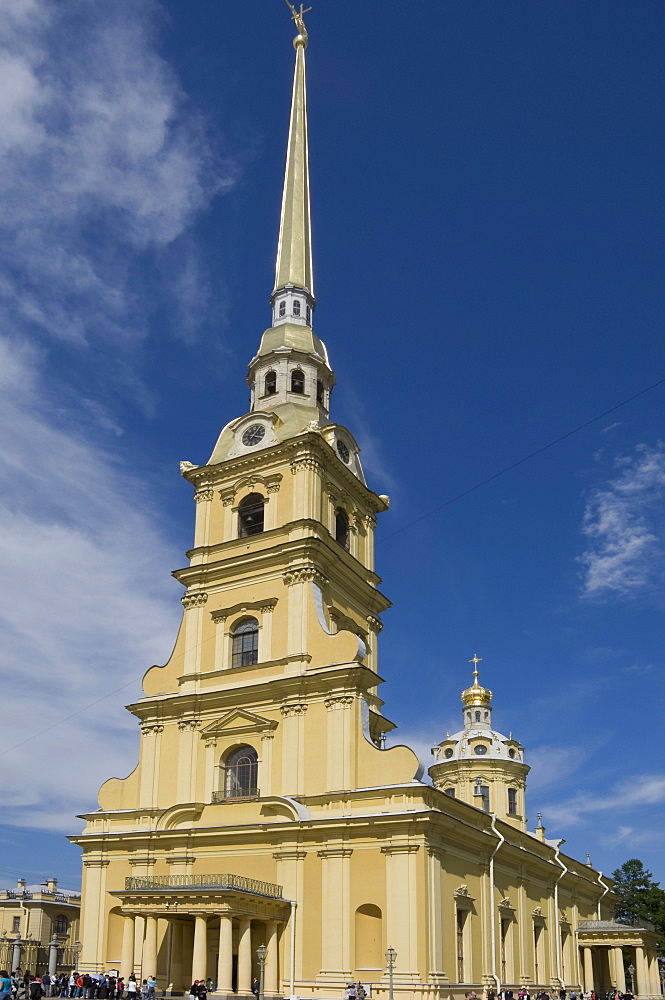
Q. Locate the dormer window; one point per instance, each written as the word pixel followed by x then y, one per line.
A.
pixel 282 308
pixel 298 382
pixel 271 384
pixel 296 307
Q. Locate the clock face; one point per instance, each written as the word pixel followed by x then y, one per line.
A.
pixel 480 749
pixel 253 435
pixel 343 451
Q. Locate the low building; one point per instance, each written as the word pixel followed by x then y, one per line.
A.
pixel 40 927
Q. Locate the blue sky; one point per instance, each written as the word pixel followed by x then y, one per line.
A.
pixel 488 238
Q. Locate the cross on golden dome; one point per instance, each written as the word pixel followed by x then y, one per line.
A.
pixel 476 695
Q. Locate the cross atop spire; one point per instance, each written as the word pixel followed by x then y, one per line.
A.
pixel 293 295
pixel 475 659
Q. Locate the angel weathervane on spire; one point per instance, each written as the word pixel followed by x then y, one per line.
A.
pixel 297 16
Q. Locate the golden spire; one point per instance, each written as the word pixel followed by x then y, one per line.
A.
pixel 294 252
pixel 476 695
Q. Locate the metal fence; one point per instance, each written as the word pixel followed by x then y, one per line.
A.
pixel 252 885
pixel 34 956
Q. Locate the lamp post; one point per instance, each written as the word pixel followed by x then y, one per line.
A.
pixel 631 973
pixel 261 953
pixel 391 956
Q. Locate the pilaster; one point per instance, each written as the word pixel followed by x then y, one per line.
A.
pixel 402 908
pixel 335 904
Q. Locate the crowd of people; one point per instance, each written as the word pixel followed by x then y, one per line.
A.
pixel 81 986
pixel 523 994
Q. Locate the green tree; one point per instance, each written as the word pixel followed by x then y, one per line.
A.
pixel 638 896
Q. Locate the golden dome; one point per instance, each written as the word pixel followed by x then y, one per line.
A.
pixel 476 695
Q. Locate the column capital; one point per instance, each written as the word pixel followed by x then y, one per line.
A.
pixel 204 495
pixel 336 852
pixel 400 848
pixel 194 600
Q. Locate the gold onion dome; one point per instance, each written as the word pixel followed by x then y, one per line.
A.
pixel 476 694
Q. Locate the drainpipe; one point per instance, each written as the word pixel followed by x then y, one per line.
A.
pixel 557 928
pixel 501 840
pixel 292 985
pixel 606 888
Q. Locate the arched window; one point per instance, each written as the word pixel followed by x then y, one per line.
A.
pixel 271 383
pixel 250 515
pixel 241 773
pixel 320 398
pixel 282 308
pixel 342 527
pixel 296 307
pixel 245 650
pixel 297 381
pixel 477 716
pixel 486 716
pixel 61 924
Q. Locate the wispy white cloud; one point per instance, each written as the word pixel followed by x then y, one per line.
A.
pixel 635 792
pixel 101 161
pixel 551 764
pixel 624 526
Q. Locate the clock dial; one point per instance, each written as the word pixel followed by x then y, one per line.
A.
pixel 480 749
pixel 253 435
pixel 343 451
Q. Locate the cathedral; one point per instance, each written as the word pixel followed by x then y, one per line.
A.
pixel 267 829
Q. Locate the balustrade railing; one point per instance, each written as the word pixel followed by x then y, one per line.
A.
pixel 238 882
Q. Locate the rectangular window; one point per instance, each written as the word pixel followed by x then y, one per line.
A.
pixel 512 801
pixel 485 796
pixel 16 925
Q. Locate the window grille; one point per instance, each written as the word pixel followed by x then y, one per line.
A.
pixel 296 307
pixel 282 308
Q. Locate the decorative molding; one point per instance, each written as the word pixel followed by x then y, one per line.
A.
pixel 538 912
pixel 98 863
pixel 226 500
pixel 375 624
pixel 274 488
pixel 141 861
pixel 463 892
pixel 151 730
pixel 505 904
pixel 270 484
pixel 287 855
pixel 309 464
pixel 304 574
pixel 335 852
pixel 400 848
pixel 194 600
pixel 181 859
pixel 339 701
pixel 369 521
pixel 202 495
pixel 235 722
pixel 220 615
pixel 295 709
pixel 189 725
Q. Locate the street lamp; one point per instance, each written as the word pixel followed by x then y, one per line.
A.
pixel 631 973
pixel 261 952
pixel 391 956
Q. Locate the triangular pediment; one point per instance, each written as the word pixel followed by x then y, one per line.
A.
pixel 238 720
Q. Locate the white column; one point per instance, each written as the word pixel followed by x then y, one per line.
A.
pixel 127 948
pixel 225 960
pixel 245 956
pixel 588 968
pixel 272 944
pixel 335 904
pixel 654 972
pixel 402 908
pixel 642 972
pixel 149 960
pixel 175 975
pixel 619 975
pixel 200 953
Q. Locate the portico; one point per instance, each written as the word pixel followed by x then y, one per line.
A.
pixel 603 943
pixel 183 928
